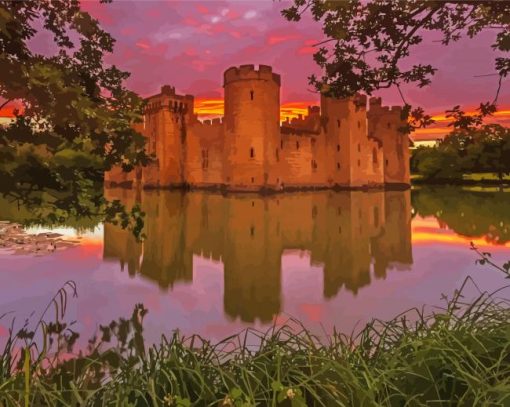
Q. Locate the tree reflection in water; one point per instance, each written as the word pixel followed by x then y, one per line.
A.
pixel 470 212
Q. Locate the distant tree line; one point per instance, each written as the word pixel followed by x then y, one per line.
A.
pixel 464 151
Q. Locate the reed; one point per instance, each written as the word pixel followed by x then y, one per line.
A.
pixel 458 355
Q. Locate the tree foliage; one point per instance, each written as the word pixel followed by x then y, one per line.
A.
pixel 367 42
pixel 74 115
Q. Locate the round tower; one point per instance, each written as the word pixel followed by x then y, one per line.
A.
pixel 252 127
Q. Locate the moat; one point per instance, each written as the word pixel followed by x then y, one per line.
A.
pixel 215 264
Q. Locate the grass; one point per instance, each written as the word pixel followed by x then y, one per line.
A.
pixel 473 178
pixel 482 176
pixel 459 355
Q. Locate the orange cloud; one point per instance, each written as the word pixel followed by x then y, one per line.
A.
pixel 9 110
pixel 206 108
pixel 441 128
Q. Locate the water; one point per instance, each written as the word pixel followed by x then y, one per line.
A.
pixel 214 264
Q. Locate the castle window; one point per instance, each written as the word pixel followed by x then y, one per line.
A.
pixel 297 145
pixel 252 231
pixel 338 166
pixel 388 125
pixel 281 144
pixel 359 124
pixel 374 156
pixel 387 162
pixel 314 165
pixel 251 94
pixel 359 163
pixel 359 147
pixel 205 159
pixel 338 123
pixel 252 152
pixel 277 155
pixel 252 180
pixel 338 147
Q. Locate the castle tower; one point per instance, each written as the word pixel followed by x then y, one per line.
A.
pixel 252 127
pixel 344 122
pixel 383 124
pixel 166 119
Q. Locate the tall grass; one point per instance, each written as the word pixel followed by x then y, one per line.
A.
pixel 456 356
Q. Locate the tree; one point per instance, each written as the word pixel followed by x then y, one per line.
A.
pixel 367 41
pixel 74 118
pixel 438 164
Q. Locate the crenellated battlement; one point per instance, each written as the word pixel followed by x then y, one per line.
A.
pixel 168 90
pixel 349 142
pixel 249 72
pixel 212 122
pixel 377 108
pixel 314 110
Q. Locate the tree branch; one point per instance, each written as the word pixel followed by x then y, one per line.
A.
pixel 5 103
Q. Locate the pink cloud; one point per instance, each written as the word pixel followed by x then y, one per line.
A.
pixel 190 22
pixel 307 50
pixel 143 45
pixel 277 39
pixel 202 9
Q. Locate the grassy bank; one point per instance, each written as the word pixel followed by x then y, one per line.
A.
pixel 459 355
pixel 481 178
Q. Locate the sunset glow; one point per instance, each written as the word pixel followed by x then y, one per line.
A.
pixel 208 108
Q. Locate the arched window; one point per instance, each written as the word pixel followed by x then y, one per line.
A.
pixel 338 147
pixel 338 166
pixel 338 123
pixel 252 93
pixel 359 124
pixel 388 125
pixel 252 152
pixel 297 145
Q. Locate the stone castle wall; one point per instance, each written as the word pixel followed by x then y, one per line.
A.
pixel 339 144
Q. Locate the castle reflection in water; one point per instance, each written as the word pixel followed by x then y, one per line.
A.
pixel 348 234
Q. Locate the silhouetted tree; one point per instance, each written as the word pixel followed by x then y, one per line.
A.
pixel 74 118
pixel 367 41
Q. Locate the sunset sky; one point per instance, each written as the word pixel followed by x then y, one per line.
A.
pixel 189 44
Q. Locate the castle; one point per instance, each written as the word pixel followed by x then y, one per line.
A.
pixel 340 144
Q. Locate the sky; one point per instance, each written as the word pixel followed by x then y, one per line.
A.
pixel 189 44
